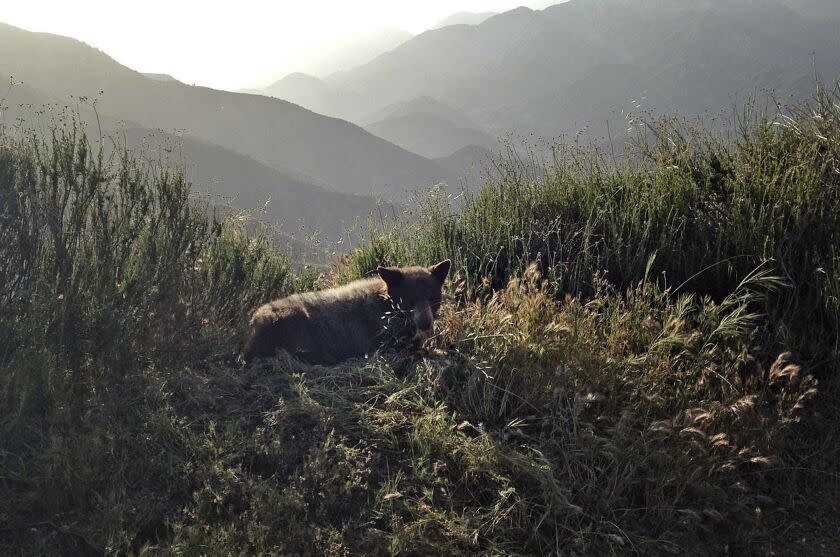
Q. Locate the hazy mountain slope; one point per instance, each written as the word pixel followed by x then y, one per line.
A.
pixel 297 206
pixel 160 76
pixel 455 64
pixel 542 71
pixel 423 105
pixel 607 92
pixel 815 9
pixel 318 96
pixel 469 165
pixel 353 50
pixel 300 208
pixel 17 98
pixel 278 133
pixel 464 18
pixel 25 108
pixel 428 134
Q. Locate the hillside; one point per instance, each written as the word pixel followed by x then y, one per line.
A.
pixel 473 165
pixel 429 135
pixel 297 205
pixel 160 76
pixel 422 105
pixel 516 70
pixel 464 18
pixel 277 133
pixel 636 355
pixel 636 350
pixel 318 96
pixel 429 127
pixel 815 9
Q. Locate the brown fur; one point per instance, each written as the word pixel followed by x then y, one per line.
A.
pixel 350 321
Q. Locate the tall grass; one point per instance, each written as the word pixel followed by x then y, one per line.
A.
pixel 110 269
pixel 630 365
pixel 709 206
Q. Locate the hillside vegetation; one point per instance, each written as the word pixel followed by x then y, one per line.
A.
pixel 640 357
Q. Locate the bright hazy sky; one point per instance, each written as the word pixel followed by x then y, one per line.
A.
pixel 230 44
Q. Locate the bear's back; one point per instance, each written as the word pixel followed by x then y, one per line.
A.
pixel 322 327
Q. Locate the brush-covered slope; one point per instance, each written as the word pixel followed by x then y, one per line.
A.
pixel 635 358
pixel 277 133
pixel 552 68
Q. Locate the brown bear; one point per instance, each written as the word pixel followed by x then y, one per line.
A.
pixel 353 320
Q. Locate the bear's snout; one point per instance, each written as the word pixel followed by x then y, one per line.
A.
pixel 422 317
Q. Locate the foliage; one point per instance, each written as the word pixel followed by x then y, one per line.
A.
pixel 638 360
pixel 711 207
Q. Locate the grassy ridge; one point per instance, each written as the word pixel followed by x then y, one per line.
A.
pixel 711 208
pixel 640 360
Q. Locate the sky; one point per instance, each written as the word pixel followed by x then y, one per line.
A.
pixel 232 44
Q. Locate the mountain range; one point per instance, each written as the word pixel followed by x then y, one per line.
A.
pixel 316 168
pixel 577 65
pixel 429 127
pixel 332 153
pixel 223 176
pixel 431 108
pixel 573 64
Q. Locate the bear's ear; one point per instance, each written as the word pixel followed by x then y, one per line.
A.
pixel 390 275
pixel 441 270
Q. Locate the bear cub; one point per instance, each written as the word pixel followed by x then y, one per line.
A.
pixel 330 326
